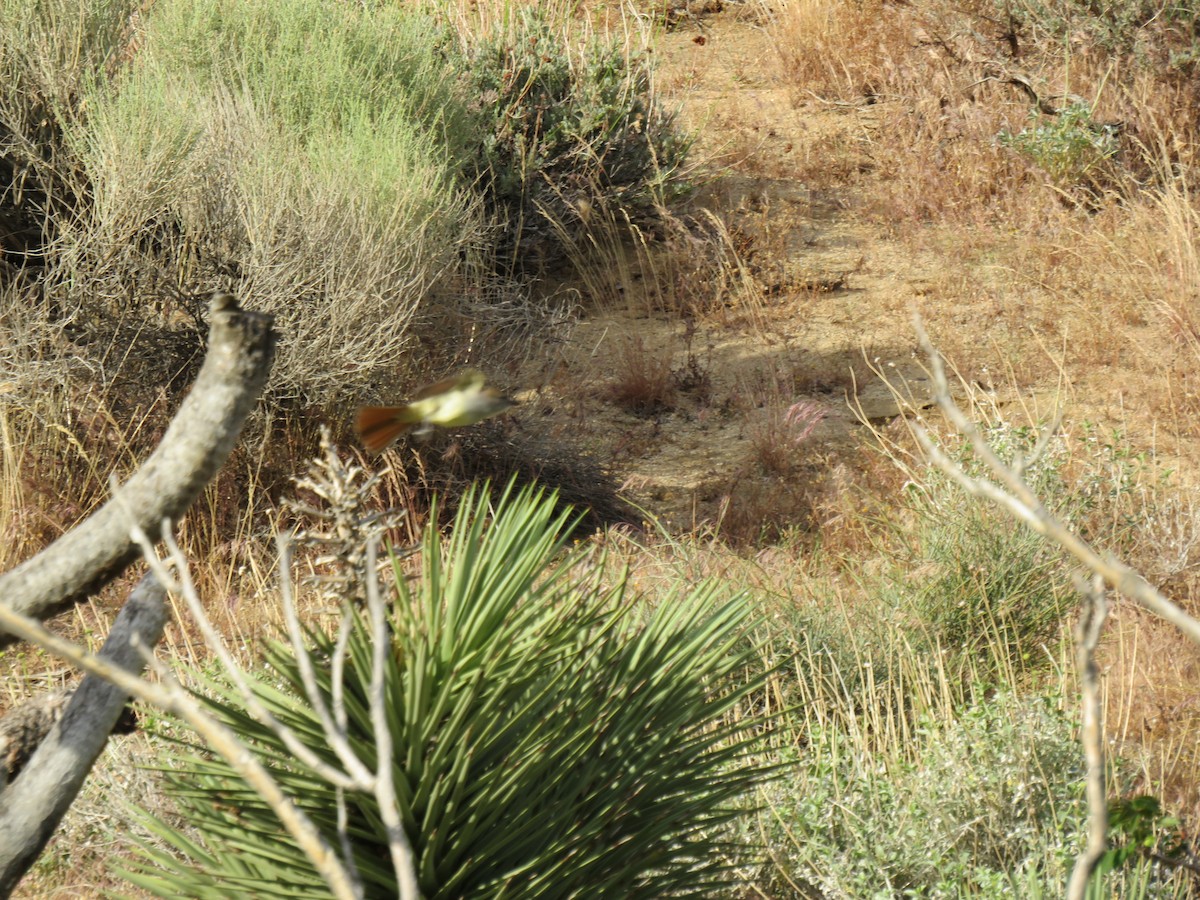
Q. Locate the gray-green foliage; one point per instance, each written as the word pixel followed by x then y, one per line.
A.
pixel 1071 148
pixel 1114 25
pixel 294 150
pixel 995 595
pixel 553 737
pixel 562 123
pixel 351 168
pixel 987 804
pixel 976 802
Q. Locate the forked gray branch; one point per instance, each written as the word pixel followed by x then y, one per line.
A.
pixel 1013 494
pixel 170 696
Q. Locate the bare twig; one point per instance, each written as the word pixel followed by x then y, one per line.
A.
pixel 385 787
pixel 336 735
pixel 343 830
pixel 171 697
pixel 1014 495
pixel 186 588
pixel 202 434
pixel 1087 636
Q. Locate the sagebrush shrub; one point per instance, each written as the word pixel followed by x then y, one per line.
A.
pixel 293 151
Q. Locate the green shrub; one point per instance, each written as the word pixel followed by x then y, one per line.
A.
pixel 987 592
pixel 996 596
pixel 1069 147
pixel 1113 25
pixel 295 151
pixel 318 158
pixel 563 127
pixel 988 804
pixel 551 739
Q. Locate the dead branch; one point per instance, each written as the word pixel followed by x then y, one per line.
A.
pixel 401 849
pixel 170 696
pixel 196 445
pixel 1087 637
pixel 34 803
pixel 241 347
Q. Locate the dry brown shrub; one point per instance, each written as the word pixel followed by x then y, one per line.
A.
pixel 941 81
pixel 776 443
pixel 758 511
pixel 645 383
pixel 843 50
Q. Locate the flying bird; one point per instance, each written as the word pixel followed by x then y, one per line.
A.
pixel 463 399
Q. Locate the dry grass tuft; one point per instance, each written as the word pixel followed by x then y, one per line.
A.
pixel 776 444
pixel 645 384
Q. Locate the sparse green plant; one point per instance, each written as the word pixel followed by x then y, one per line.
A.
pixel 976 799
pixel 1114 25
pixel 982 803
pixel 996 596
pixel 1071 147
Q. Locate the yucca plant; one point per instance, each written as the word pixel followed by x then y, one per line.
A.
pixel 554 736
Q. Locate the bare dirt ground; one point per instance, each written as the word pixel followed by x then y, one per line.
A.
pixel 832 295
pixel 833 291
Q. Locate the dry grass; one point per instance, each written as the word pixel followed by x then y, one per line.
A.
pixel 680 266
pixel 645 383
pixel 1040 289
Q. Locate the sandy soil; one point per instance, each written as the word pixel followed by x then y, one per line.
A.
pixel 834 292
pixel 833 296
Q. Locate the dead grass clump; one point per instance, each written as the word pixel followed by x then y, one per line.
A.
pixel 58 450
pixel 681 265
pixel 645 383
pixel 932 138
pixel 1164 260
pixel 942 161
pixel 1151 707
pixel 775 444
pixel 758 511
pixel 843 50
pixel 987 124
pixel 1130 277
pixel 101 825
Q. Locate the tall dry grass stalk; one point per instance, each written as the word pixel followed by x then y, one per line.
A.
pixel 679 267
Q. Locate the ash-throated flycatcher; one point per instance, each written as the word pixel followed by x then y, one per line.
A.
pixel 460 400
